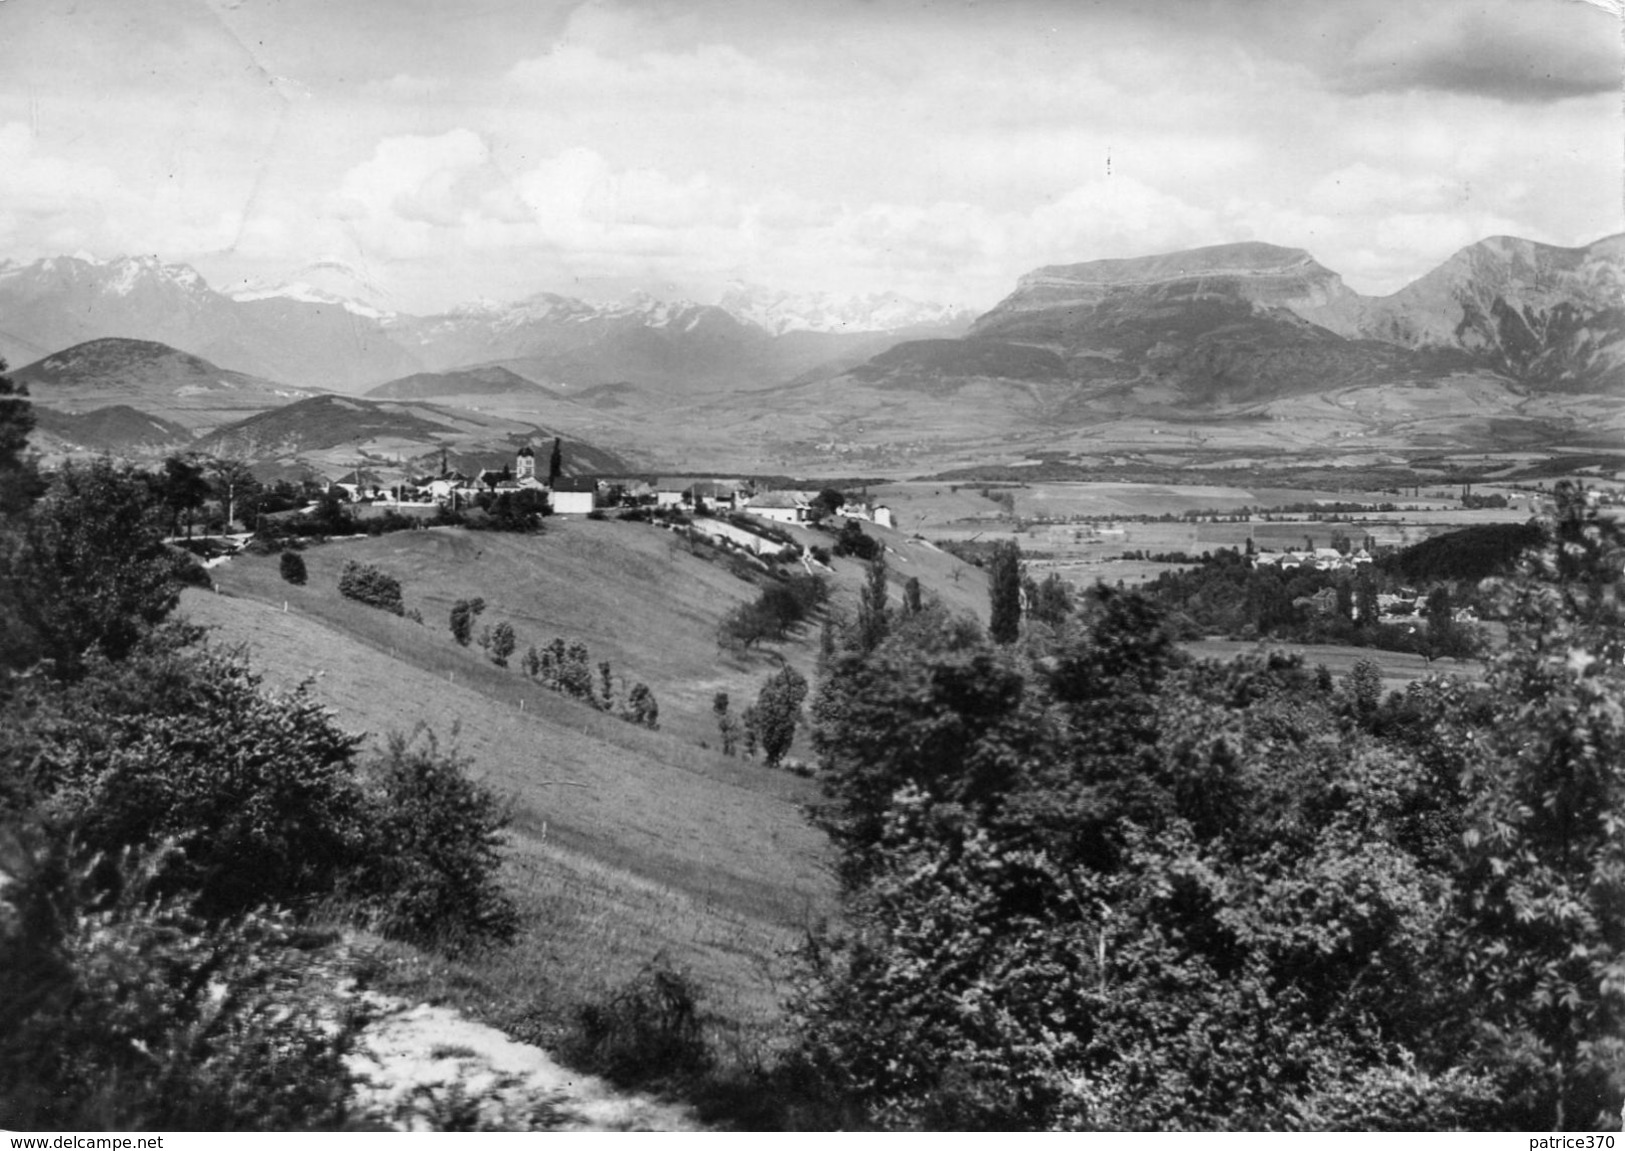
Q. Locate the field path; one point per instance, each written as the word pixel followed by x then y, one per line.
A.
pixel 422 1062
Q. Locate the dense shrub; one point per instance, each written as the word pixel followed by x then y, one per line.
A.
pixel 1089 884
pixel 125 1012
pixel 181 745
pixel 780 606
pixel 434 837
pixel 292 567
pixel 1473 553
pixel 650 1030
pixel 87 569
pixel 186 570
pixel 519 512
pixel 367 584
pixel 853 542
pixel 463 614
pixel 503 642
pixel 641 707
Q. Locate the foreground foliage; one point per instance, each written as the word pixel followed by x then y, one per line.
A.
pixel 1089 885
pixel 125 1011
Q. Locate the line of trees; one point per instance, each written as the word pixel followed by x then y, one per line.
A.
pixel 560 667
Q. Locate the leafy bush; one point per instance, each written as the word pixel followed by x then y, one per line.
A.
pixel 123 1012
pixel 433 849
pixel 174 744
pixel 641 707
pixel 853 542
pixel 367 584
pixel 292 567
pixel 502 643
pixel 649 1030
pixel 463 614
pixel 777 711
pixel 90 570
pixel 519 512
pixel 186 570
pixel 779 606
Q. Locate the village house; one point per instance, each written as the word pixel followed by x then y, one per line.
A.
pixel 782 507
pixel 717 495
pixel 669 491
pixel 1321 559
pixel 574 496
pixel 878 514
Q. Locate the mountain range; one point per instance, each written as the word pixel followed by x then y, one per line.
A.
pixel 1507 343
pixel 1250 321
pixel 306 336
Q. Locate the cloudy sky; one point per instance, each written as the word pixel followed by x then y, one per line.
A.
pixel 451 149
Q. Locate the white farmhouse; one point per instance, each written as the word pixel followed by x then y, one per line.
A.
pixel 574 496
pixel 782 507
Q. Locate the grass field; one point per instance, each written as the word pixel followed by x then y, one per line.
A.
pixel 627 843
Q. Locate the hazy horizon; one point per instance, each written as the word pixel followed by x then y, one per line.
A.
pixel 472 149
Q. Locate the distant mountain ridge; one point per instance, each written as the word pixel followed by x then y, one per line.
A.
pixel 63 301
pixel 1236 323
pixel 1508 342
pixel 117 428
pixel 142 398
pixel 330 430
pixel 148 375
pixel 304 333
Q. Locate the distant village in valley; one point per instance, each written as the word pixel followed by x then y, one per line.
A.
pixel 567 495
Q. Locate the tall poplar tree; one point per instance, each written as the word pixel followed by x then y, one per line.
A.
pixel 1004 586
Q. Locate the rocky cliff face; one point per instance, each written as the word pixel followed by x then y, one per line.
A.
pixel 1537 314
pixel 1260 274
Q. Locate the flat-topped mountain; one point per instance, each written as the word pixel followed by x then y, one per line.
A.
pixel 1241 323
pixel 1261 273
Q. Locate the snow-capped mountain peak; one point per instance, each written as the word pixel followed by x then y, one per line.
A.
pixel 130 272
pixel 332 283
pixel 119 276
pixel 306 294
pixel 780 311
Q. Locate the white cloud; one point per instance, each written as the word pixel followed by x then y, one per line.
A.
pixel 55 203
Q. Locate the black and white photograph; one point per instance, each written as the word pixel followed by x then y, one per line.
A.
pixel 702 566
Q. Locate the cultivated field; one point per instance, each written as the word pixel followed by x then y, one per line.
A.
pixel 1083 530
